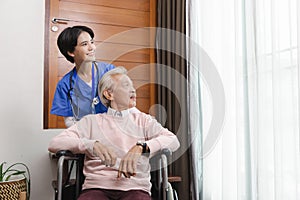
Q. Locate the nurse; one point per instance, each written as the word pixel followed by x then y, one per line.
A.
pixel 76 93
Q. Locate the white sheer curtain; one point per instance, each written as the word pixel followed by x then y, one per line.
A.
pixel 254 45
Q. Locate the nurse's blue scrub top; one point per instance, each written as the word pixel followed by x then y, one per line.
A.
pixel 81 94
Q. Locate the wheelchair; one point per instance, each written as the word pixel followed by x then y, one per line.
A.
pixel 69 164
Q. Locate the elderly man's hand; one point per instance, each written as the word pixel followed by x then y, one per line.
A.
pixel 129 162
pixel 106 154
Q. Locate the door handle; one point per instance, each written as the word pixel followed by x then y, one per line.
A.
pixel 60 20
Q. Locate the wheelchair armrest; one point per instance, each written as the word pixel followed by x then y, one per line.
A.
pixel 67 153
pixel 166 151
pixel 63 157
pixel 64 153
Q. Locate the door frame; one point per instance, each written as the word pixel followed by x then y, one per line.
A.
pixel 50 59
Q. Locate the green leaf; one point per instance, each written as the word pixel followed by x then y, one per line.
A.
pixel 16 172
pixel 1 171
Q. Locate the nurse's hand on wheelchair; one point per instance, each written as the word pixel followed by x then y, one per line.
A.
pixel 128 163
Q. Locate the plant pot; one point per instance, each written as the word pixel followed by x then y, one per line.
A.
pixel 11 190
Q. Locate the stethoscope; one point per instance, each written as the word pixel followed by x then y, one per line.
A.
pixel 95 98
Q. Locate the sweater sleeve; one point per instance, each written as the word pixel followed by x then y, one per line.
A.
pixel 159 137
pixel 74 139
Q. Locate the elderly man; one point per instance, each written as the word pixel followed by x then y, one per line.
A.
pixel 117 144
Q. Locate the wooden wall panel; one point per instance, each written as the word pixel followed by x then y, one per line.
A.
pixel 124 53
pixel 142 5
pixel 116 34
pixel 107 15
pixel 141 102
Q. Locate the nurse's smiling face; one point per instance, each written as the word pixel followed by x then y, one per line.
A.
pixel 85 49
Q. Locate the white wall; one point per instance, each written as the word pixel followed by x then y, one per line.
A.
pixel 22 138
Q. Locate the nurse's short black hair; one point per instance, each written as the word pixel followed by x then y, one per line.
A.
pixel 67 39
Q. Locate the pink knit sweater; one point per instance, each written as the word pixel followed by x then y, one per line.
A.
pixel 119 133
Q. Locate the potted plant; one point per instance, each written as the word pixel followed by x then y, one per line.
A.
pixel 14 182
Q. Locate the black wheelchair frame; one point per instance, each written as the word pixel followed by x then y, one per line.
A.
pixel 69 189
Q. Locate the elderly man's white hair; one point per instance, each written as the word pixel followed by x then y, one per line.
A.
pixel 106 83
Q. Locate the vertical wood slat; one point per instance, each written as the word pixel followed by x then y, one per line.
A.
pixel 46 68
pixel 153 24
pixel 52 71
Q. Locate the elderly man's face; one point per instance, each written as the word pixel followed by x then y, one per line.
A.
pixel 123 93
